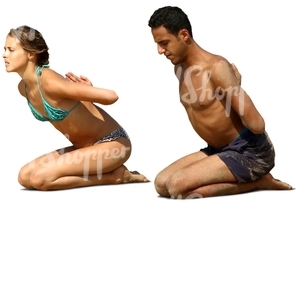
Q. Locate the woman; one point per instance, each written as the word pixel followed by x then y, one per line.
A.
pixel 100 146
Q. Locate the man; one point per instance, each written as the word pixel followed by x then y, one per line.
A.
pixel 239 154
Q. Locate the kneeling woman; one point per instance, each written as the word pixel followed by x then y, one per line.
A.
pixel 100 146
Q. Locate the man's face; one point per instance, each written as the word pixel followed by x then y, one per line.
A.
pixel 173 47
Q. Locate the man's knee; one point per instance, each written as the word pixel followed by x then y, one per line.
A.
pixel 174 187
pixel 160 184
pixel 169 186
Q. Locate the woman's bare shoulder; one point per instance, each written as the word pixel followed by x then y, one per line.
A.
pixel 21 88
pixel 52 80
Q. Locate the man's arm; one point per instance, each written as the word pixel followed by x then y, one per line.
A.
pixel 237 74
pixel 224 77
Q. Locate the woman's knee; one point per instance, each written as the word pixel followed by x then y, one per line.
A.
pixel 24 177
pixel 33 178
pixel 40 179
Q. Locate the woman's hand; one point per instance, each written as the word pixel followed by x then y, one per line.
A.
pixel 82 79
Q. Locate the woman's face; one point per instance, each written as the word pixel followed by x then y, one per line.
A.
pixel 15 57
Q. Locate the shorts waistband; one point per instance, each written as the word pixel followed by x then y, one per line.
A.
pixel 242 134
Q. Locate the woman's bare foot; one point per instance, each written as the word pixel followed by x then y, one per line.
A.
pixel 134 176
pixel 125 176
pixel 268 182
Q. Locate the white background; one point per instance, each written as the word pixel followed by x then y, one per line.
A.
pixel 117 242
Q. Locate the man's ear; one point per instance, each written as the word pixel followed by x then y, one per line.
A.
pixel 184 34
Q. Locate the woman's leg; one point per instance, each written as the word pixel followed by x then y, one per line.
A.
pixel 68 168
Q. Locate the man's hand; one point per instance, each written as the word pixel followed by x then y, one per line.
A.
pixel 237 73
pixel 82 79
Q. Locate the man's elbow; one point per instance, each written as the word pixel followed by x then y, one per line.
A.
pixel 257 126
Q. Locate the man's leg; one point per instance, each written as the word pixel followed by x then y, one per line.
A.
pixel 267 182
pixel 202 176
pixel 180 164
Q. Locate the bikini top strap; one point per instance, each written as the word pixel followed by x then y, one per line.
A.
pixel 40 68
pixel 38 71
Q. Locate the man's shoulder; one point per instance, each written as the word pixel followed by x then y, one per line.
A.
pixel 219 62
pixel 220 66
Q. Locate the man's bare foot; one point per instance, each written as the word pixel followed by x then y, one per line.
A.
pixel 125 176
pixel 268 182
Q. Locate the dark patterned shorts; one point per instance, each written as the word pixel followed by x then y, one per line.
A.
pixel 249 157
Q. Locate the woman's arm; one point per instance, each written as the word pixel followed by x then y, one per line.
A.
pixel 59 87
pixel 74 78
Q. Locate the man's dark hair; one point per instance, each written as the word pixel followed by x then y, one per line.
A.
pixel 172 18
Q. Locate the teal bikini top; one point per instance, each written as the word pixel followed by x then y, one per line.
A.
pixel 54 114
